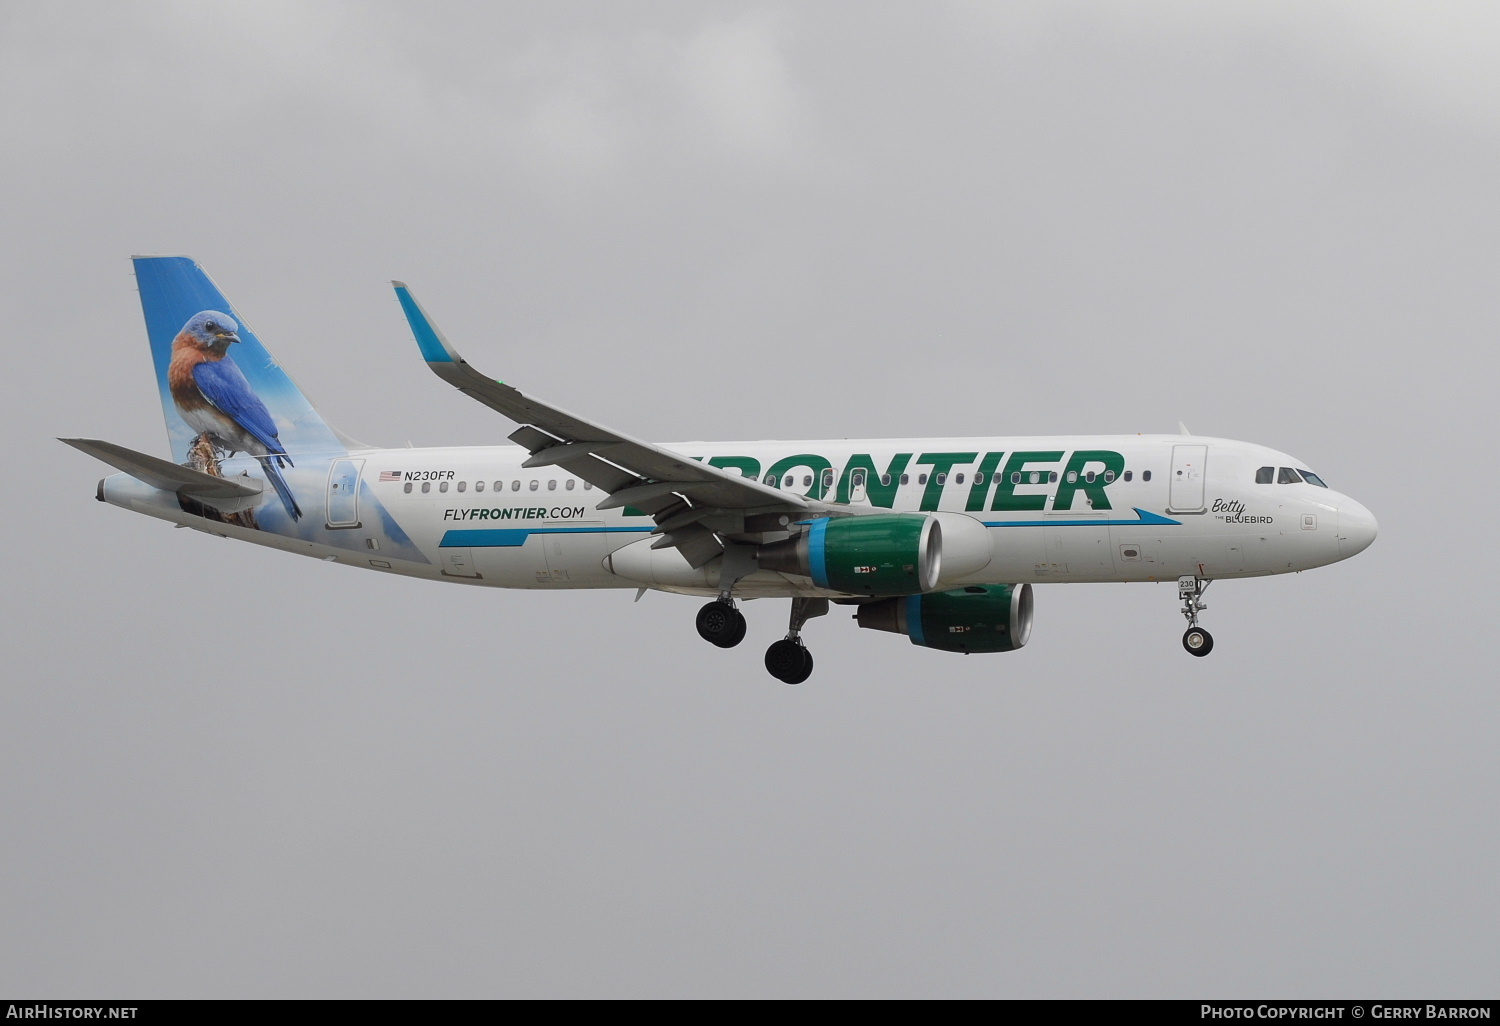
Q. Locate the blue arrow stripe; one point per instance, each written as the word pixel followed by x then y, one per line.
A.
pixel 1144 518
pixel 511 537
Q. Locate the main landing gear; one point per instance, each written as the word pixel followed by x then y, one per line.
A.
pixel 1196 640
pixel 720 623
pixel 788 660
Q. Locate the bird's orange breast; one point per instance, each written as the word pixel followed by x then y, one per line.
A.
pixel 186 355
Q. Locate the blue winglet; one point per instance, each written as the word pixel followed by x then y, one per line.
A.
pixel 435 348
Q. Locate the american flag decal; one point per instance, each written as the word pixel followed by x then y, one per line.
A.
pixel 390 475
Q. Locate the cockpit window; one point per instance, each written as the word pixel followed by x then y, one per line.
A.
pixel 1286 475
pixel 1265 475
pixel 1311 478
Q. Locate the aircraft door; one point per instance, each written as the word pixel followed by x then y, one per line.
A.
pixel 1189 465
pixel 343 494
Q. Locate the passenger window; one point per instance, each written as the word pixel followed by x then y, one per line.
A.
pixel 588 486
pixel 1052 477
pixel 1036 478
pixel 857 479
pixel 479 486
pixel 806 480
pixel 906 479
pixel 462 485
pixel 827 479
pixel 1015 477
pixel 979 478
pixel 958 479
pixel 921 479
pixel 570 484
pixel 1145 475
pixel 1128 474
pixel 426 487
pixel 535 484
pixel 1286 475
pixel 885 480
pixel 406 487
pixel 1109 476
pixel 1264 475
pixel 1072 477
pixel 515 486
pixel 942 479
pixel 771 480
pixel 552 485
pixel 786 482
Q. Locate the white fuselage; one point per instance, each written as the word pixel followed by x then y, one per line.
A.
pixel 1015 509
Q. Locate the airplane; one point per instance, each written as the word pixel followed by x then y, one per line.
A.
pixel 937 539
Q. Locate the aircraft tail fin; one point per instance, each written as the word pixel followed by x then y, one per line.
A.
pixel 216 377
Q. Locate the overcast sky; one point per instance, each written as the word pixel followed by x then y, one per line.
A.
pixel 227 771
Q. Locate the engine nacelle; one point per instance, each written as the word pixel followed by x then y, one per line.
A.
pixel 979 618
pixel 884 554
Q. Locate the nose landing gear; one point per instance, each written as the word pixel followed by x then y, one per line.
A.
pixel 788 660
pixel 1195 640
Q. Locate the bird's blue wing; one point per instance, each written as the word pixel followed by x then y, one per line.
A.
pixel 223 384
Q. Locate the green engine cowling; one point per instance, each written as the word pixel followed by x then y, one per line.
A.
pixel 884 554
pixel 987 618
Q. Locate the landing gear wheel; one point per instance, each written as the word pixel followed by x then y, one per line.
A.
pixel 789 661
pixel 1198 641
pixel 721 624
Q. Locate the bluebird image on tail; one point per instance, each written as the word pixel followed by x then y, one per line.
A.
pixel 232 411
pixel 214 398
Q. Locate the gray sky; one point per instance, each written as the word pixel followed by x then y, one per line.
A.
pixel 225 771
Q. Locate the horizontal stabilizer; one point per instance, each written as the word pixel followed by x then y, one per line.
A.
pixel 231 495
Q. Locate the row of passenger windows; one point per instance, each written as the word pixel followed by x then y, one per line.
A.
pixel 1286 475
pixel 499 486
pixel 857 478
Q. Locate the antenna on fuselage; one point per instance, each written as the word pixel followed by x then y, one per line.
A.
pixel 1183 428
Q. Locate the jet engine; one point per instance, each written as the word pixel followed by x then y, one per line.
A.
pixel 884 554
pixel 979 618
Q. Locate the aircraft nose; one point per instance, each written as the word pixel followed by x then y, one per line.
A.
pixel 1357 528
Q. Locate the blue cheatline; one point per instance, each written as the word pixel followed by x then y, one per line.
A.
pixel 1144 517
pixel 514 536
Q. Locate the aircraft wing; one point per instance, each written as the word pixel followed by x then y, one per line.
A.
pixel 695 506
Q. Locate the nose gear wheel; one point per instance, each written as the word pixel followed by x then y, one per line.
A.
pixel 1196 641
